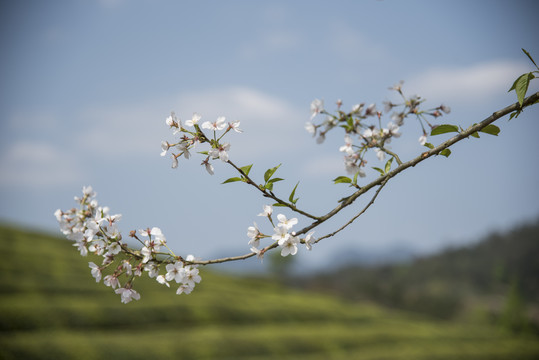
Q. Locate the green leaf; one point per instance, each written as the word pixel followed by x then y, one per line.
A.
pixel 442 129
pixel 445 152
pixel 279 205
pixel 355 178
pixel 491 129
pixel 429 145
pixel 521 86
pixel 388 166
pixel 269 173
pixel 514 114
pixel 271 181
pixel 528 55
pixel 232 179
pixel 342 180
pixel 291 197
pixel 475 135
pixel 246 169
pixel 379 170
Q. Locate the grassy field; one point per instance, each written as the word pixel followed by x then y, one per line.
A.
pixel 51 308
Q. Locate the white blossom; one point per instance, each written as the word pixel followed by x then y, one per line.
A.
pixel 164 147
pixel 235 126
pixel 253 234
pixel 220 152
pixel 185 289
pixel 309 240
pixel 112 281
pixel 311 129
pixel 268 210
pixel 281 234
pixel 175 272
pixel 289 246
pixel 347 147
pixel 127 294
pixel 286 223
pixel 317 106
pixel 96 271
pixel 218 124
pixel 380 154
pixel 194 120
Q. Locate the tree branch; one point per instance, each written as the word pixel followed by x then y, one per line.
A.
pixel 382 180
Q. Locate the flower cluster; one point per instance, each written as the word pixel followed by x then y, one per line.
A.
pixel 94 230
pixel 356 125
pixel 286 239
pixel 191 135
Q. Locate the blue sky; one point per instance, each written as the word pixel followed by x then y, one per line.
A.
pixel 86 87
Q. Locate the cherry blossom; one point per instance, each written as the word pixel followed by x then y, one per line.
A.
pixel 218 124
pixel 127 294
pixel 347 147
pixel 289 246
pixel 96 271
pixel 220 152
pixel 194 120
pixel 311 129
pixel 286 223
pixel 268 210
pixel 281 234
pixel 235 126
pixel 253 234
pixel 317 106
pixel 164 147
pixel 423 139
pixel 309 240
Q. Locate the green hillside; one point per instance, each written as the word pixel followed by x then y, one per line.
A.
pixel 497 276
pixel 51 308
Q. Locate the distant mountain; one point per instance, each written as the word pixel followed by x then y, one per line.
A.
pixel 479 277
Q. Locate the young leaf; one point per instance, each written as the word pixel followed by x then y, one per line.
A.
pixel 232 179
pixel 342 180
pixel 269 173
pixel 442 129
pixel 521 86
pixel 274 180
pixel 445 152
pixel 291 197
pixel 388 165
pixel 379 170
pixel 429 145
pixel 528 55
pixel 279 205
pixel 355 178
pixel 491 129
pixel 246 169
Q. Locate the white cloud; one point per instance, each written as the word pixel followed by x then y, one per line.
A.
pixel 470 84
pixel 137 129
pixel 37 165
pixel 270 124
pixel 239 102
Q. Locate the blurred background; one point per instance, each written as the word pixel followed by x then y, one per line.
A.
pixel 86 87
